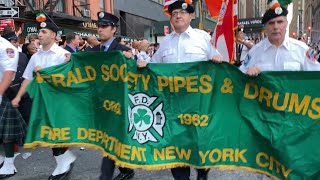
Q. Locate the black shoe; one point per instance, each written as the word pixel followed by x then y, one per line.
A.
pixel 62 176
pixel 203 175
pixel 124 176
pixel 6 176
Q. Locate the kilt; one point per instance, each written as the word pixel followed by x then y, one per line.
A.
pixel 12 125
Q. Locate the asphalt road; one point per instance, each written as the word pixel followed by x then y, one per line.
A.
pixel 41 164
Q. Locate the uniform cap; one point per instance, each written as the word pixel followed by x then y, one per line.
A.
pixel 105 18
pixel 10 36
pixel 273 13
pixel 180 5
pixel 48 25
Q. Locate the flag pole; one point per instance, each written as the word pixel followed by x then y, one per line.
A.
pixel 200 15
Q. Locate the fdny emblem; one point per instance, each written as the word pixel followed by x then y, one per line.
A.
pixel 143 118
pixel 101 14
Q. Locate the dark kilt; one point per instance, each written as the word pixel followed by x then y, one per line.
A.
pixel 12 125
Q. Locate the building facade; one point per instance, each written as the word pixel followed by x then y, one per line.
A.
pixel 250 15
pixel 146 19
pixel 306 20
pixel 78 16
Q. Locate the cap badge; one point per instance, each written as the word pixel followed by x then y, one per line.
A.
pixel 184 6
pixel 101 14
pixel 278 10
pixel 43 24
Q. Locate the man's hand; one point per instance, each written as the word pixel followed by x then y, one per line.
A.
pixel 67 55
pixel 217 58
pixel 253 71
pixel 127 54
pixel 15 102
pixel 37 68
pixel 142 64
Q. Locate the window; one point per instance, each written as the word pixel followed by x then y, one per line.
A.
pixel 101 4
pixel 60 7
pixel 32 3
pixel 83 4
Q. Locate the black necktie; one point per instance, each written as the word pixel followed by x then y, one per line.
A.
pixel 102 48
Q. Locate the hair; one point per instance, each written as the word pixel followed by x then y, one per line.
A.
pixel 71 36
pixel 7 29
pixel 118 39
pixel 32 36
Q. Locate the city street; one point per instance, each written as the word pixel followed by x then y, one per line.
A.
pixel 41 164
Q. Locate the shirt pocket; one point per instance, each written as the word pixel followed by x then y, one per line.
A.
pixel 195 54
pixel 291 66
pixel 168 56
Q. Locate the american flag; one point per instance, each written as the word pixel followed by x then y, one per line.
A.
pixel 223 37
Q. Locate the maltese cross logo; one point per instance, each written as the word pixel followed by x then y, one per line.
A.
pixel 142 118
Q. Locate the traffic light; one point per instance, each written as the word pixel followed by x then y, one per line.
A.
pixel 309 28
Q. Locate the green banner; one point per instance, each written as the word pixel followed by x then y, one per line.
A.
pixel 168 115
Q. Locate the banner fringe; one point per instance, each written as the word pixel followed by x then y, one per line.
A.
pixel 120 163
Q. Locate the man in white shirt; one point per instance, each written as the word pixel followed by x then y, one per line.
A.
pixel 183 45
pixel 50 54
pixel 277 52
pixel 12 125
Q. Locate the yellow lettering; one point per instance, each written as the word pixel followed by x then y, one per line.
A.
pixel 91 72
pixel 58 79
pixel 247 91
pixel 285 102
pixel 203 156
pixel 105 72
pixel 182 154
pixel 91 134
pixel 240 155
pixel 170 153
pixel 228 152
pixel 114 72
pixel 162 82
pixel 157 154
pixel 125 151
pixel 145 81
pixel 316 107
pixel 218 158
pixel 80 79
pixel 205 81
pixel 82 133
pixel 294 102
pixel 259 162
pixel 65 132
pixel 192 81
pixel 71 78
pixel 265 94
pixel 45 130
pixel 179 82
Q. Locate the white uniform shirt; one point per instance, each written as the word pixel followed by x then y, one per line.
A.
pixel 54 56
pixel 143 56
pixel 290 56
pixel 9 57
pixel 189 46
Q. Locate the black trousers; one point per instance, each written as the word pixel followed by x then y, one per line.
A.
pixel 183 173
pixel 107 169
